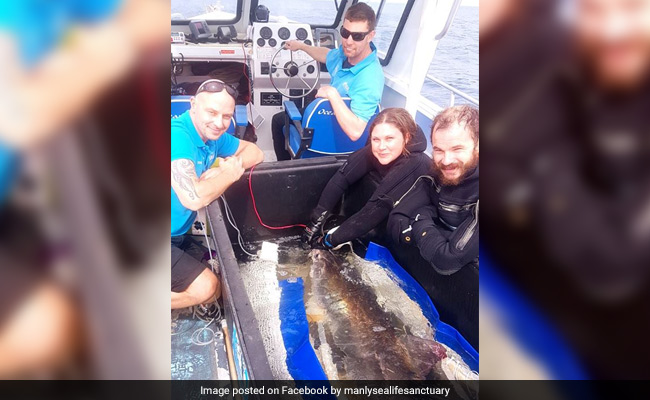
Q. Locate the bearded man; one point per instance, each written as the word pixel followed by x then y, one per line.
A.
pixel 439 214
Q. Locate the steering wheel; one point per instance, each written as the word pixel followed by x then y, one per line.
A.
pixel 293 70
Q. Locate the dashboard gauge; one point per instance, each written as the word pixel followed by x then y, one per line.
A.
pixel 308 42
pixel 272 42
pixel 261 42
pixel 284 33
pixel 301 34
pixel 266 32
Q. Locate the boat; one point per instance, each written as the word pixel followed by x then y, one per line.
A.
pixel 240 42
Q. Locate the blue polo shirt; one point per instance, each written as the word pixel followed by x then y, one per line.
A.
pixel 362 83
pixel 186 143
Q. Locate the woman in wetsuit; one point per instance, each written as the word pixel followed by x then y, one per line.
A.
pixel 394 157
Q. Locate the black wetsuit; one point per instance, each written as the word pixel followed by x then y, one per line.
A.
pixel 441 220
pixel 394 180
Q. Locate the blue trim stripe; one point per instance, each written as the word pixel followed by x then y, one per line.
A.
pixel 532 330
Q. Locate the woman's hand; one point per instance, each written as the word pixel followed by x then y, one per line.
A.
pixel 314 230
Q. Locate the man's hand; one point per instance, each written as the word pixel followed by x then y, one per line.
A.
pixel 229 169
pixel 317 53
pixel 232 168
pixel 352 125
pixel 249 154
pixel 327 92
pixel 294 45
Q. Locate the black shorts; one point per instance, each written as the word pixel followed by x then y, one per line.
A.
pixel 188 261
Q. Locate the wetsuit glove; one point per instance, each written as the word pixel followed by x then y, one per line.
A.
pixel 321 243
pixel 325 242
pixel 314 230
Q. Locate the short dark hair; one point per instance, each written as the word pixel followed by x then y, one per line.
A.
pixel 362 12
pixel 461 115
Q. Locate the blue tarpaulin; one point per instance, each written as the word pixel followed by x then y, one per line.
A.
pixel 301 359
pixel 445 334
pixel 302 362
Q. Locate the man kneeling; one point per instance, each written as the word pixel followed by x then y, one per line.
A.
pixel 198 139
pixel 440 213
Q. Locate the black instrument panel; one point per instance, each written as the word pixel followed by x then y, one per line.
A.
pixel 274 35
pixel 301 34
pixel 284 33
pixel 266 33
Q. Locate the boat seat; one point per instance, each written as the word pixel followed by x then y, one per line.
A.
pixel 180 104
pixel 317 133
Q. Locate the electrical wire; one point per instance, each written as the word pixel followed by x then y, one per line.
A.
pixel 250 187
pixel 232 223
pixel 213 263
pixel 214 266
pixel 195 338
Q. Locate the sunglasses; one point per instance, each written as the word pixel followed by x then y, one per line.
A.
pixel 356 36
pixel 216 86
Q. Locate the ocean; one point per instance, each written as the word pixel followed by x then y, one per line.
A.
pixel 456 61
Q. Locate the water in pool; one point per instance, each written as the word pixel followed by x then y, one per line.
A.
pixel 362 325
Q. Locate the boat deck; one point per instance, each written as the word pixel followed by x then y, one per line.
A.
pixel 197 353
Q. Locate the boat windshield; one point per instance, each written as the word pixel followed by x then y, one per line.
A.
pixel 211 10
pixel 317 13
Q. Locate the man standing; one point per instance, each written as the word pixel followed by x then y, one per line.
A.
pixel 198 139
pixel 356 73
pixel 440 213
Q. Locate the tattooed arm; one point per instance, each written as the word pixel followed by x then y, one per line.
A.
pixel 197 192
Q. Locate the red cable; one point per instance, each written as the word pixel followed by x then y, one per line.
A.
pixel 250 186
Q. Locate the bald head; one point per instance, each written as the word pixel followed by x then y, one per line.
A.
pixel 212 114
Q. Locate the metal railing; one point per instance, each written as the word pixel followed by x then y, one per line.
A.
pixel 453 92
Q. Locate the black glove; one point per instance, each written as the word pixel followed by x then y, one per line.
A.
pixel 314 230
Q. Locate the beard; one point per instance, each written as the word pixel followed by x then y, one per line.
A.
pixel 465 170
pixel 622 77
